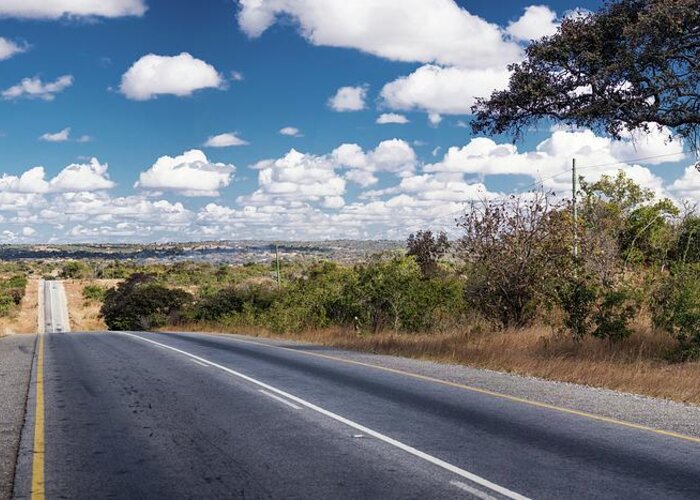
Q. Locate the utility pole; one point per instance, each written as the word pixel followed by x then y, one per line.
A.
pixel 574 196
pixel 277 260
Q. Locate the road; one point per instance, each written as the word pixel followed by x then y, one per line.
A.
pixel 144 415
pixel 55 307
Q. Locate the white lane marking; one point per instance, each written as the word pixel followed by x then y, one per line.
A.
pixel 472 491
pixel 269 394
pixel 366 430
pixel 200 363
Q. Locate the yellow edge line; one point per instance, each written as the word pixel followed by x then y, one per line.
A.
pixel 38 492
pixel 487 392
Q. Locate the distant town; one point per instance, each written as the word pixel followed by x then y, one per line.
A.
pixel 233 252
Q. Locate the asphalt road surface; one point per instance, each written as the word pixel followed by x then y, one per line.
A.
pixel 55 307
pixel 139 415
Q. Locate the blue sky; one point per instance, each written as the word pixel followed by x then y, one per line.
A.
pixel 141 86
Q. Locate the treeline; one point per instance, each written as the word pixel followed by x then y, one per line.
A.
pixel 518 261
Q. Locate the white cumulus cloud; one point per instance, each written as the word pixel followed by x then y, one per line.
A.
pixel 55 9
pixel 225 140
pixel 443 90
pixel 394 156
pixel 34 88
pixel 550 162
pixel 190 174
pixel 436 31
pixel 62 136
pixel 537 21
pixel 76 177
pixel 153 75
pixel 296 178
pixel 386 118
pixel 8 48
pixel 349 99
pixel 290 131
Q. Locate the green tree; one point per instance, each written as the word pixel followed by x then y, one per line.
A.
pixel 676 309
pixel 75 270
pixel 513 249
pixel 630 214
pixel 139 303
pixel 427 249
pixel 687 246
pixel 628 65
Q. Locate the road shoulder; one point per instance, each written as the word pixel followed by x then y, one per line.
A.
pixel 16 356
pixel 646 411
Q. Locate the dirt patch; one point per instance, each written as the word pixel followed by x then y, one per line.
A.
pixel 85 314
pixel 26 319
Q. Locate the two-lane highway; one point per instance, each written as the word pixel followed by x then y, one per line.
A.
pixel 139 415
pixel 55 307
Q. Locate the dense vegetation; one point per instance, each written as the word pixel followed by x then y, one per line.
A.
pixel 512 266
pixel 11 293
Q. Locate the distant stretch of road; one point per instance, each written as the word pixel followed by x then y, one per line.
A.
pixel 143 415
pixel 55 307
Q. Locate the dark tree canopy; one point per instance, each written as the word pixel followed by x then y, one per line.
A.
pixel 139 303
pixel 632 64
pixel 427 249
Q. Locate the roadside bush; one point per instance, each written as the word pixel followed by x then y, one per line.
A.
pixel 139 303
pixel 75 270
pixel 513 249
pixel 11 293
pixel 7 305
pixel 687 247
pixel 319 297
pixel 394 294
pixel 603 311
pixel 94 293
pixel 615 310
pixel 242 304
pixel 577 300
pixel 676 309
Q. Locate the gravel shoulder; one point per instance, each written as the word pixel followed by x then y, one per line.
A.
pixel 16 355
pixel 642 410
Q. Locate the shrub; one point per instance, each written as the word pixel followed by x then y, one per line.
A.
pixel 139 303
pixel 7 305
pixel 613 314
pixel 324 295
pixel 94 293
pixel 75 270
pixel 512 248
pixel 393 294
pixel 11 293
pixel 676 309
pixel 250 301
pixel 577 301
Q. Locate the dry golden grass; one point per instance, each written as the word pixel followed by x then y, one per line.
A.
pixel 85 314
pixel 26 320
pixel 636 365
